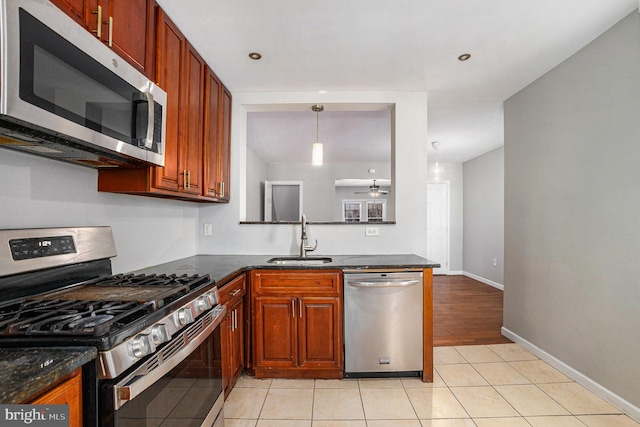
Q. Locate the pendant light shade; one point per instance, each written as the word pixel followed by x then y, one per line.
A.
pixel 317 150
pixel 437 172
pixel 317 154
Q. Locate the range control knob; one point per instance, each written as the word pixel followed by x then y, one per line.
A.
pixel 203 304
pixel 212 297
pixel 159 334
pixel 142 345
pixel 185 316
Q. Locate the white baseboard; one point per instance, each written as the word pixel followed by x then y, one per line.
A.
pixel 485 281
pixel 597 389
pixel 455 273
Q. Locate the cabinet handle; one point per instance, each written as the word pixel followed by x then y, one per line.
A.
pixel 300 306
pixel 187 179
pixel 293 308
pixel 98 29
pixel 235 317
pixel 111 31
pixel 235 292
pixel 221 192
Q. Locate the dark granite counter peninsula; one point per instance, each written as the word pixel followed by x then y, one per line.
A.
pixel 26 371
pixel 224 267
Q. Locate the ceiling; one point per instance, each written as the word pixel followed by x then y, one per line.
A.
pixel 411 45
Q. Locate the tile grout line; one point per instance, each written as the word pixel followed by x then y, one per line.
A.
pixel 489 383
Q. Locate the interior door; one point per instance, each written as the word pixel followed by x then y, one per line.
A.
pixel 438 225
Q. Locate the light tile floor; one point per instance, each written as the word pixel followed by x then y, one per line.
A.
pixel 499 385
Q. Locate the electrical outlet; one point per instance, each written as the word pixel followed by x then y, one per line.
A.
pixel 372 231
pixel 208 229
pixel 495 262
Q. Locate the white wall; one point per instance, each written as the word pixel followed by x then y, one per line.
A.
pixel 572 203
pixel 484 217
pixel 255 185
pixel 38 192
pixel 407 236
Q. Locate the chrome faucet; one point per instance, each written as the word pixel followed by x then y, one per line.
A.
pixel 304 248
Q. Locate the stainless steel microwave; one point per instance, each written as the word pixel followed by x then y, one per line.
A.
pixel 66 95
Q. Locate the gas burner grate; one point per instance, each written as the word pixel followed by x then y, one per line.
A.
pixel 92 318
pixel 95 308
pixel 163 280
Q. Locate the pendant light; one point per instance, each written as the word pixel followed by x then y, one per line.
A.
pixel 436 173
pixel 317 149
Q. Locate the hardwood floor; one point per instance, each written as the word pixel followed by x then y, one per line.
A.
pixel 466 312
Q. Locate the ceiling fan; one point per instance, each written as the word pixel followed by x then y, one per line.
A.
pixel 374 190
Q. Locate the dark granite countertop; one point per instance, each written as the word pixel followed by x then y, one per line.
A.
pixel 221 268
pixel 26 371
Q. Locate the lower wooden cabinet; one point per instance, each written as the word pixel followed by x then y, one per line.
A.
pixel 297 325
pixel 232 332
pixel 68 392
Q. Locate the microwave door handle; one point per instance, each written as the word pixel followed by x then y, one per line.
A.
pixel 146 97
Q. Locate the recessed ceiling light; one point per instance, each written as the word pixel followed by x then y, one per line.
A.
pixel 464 57
pixel 255 56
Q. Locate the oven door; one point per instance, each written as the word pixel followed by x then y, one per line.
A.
pixel 180 385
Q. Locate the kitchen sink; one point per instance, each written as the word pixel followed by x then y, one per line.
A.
pixel 296 260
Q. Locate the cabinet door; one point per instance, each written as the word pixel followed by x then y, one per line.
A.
pixel 233 345
pixel 80 11
pixel 224 148
pixel 132 30
pixel 170 48
pixel 237 341
pixel 275 332
pixel 217 138
pixel 191 125
pixel 70 393
pixel 319 328
pixel 212 112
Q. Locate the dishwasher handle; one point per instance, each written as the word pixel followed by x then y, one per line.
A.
pixel 382 283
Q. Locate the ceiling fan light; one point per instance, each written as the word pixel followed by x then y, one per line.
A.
pixel 317 154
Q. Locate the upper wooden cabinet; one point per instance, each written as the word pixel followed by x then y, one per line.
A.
pixel 198 118
pixel 217 138
pixel 126 26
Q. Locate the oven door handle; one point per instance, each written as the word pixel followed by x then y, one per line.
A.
pixel 147 374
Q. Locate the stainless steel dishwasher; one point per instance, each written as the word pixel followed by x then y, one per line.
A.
pixel 383 315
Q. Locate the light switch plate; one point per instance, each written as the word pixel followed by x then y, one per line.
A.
pixel 208 229
pixel 372 231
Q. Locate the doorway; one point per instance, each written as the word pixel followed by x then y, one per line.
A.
pixel 282 201
pixel 438 225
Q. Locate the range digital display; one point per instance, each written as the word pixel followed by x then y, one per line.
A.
pixel 39 247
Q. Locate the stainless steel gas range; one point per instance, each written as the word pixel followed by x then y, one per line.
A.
pixel 158 336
